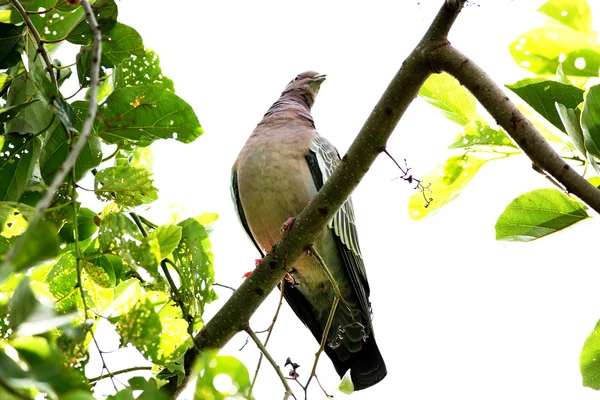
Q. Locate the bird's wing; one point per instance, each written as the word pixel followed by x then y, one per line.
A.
pixel 322 159
pixel 237 204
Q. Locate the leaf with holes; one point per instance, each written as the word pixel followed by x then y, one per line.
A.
pixel 541 50
pixel 538 213
pixel 195 266
pixel 168 237
pixel 575 14
pixel 143 114
pixel 6 114
pixel 125 185
pixel 542 95
pixel 140 326
pixel 106 13
pixel 479 133
pixel 443 184
pixel 446 93
pixel 17 160
pixel 143 70
pixel 119 44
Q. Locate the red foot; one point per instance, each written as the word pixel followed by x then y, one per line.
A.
pixel 288 278
pixel 287 224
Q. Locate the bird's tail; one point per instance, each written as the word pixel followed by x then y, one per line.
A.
pixel 367 366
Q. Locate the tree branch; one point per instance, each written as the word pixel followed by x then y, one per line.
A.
pixel 507 115
pixel 404 87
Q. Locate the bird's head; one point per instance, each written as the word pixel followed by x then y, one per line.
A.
pixel 306 83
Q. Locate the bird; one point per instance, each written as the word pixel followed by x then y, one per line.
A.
pixel 280 168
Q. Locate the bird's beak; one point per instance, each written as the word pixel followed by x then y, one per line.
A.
pixel 317 80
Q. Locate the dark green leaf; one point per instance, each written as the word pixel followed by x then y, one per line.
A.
pixel 570 119
pixel 56 149
pixel 538 213
pixel 84 65
pixel 106 13
pixel 144 114
pixel 21 304
pixel 6 114
pixel 17 160
pixel 86 226
pixel 572 13
pixel 12 44
pixel 195 266
pixel 542 94
pixel 58 23
pixel 589 363
pixel 140 71
pixel 590 121
pixel 445 93
pixel 32 119
pixel 120 43
pixel 478 133
pixel 125 185
pixel 541 50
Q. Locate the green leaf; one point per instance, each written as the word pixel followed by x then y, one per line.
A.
pixel 57 24
pixel 346 386
pixel 570 119
pixel 119 44
pixel 21 304
pixel 12 44
pixel 78 395
pixel 37 244
pixel 590 121
pixel 445 93
pixel 478 133
pixel 572 13
pixel 101 271
pixel 106 13
pixel 144 114
pixel 6 114
pixel 444 184
pixel 538 213
pixel 542 94
pixel 62 281
pixel 195 266
pixel 33 119
pixel 125 185
pixel 83 61
pixel 140 326
pixel 56 150
pixel 589 360
pixel 17 160
pixel 86 226
pixel 168 237
pixel 541 50
pixel 210 366
pixel 141 71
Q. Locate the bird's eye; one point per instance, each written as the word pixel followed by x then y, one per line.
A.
pixel 296 78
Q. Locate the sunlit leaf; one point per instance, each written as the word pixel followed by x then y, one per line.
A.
pixel 589 360
pixel 125 185
pixel 444 184
pixel 572 13
pixel 143 70
pixel 570 120
pixel 168 238
pixel 538 213
pixel 210 366
pixel 479 133
pixel 346 386
pixel 21 304
pixel 445 93
pixel 37 244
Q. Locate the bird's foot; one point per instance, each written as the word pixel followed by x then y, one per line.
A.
pixel 287 224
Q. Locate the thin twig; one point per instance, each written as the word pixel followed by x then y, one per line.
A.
pixel 224 286
pixel 269 330
pixel 38 41
pixel 323 343
pixel 122 371
pixel 264 351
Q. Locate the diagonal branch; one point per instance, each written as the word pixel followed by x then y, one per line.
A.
pixel 506 114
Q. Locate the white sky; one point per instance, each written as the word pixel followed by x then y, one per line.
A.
pixel 456 314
